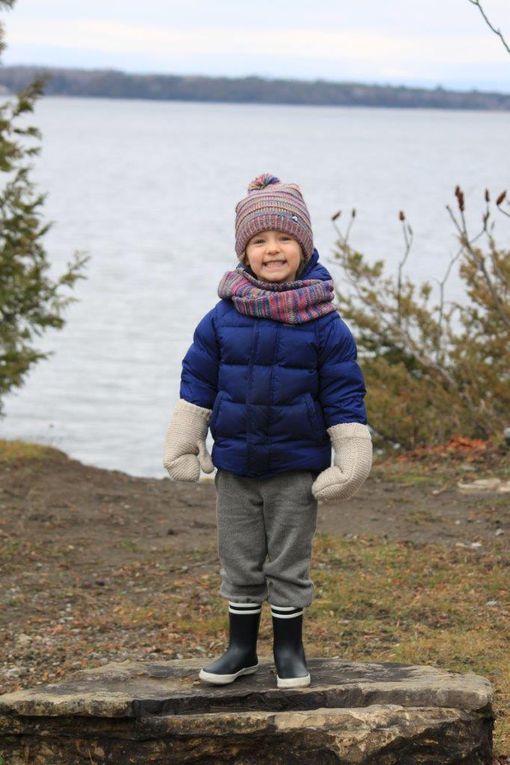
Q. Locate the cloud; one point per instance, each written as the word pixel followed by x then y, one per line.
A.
pixel 384 49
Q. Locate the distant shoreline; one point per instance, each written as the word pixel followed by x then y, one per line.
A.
pixel 107 83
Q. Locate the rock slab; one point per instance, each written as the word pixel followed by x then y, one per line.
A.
pixel 159 712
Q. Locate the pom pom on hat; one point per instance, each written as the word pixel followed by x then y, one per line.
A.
pixel 271 204
pixel 261 181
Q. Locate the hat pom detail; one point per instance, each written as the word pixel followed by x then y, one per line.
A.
pixel 261 181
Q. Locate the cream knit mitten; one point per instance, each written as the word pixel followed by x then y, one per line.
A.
pixel 353 459
pixel 185 450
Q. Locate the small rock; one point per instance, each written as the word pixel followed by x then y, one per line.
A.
pixel 498 532
pixel 480 485
pixel 23 639
pixel 12 672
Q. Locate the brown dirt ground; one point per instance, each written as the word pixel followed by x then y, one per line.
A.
pixel 81 545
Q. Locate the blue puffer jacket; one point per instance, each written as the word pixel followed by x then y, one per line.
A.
pixel 273 388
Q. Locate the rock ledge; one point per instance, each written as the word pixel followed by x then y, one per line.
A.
pixel 159 712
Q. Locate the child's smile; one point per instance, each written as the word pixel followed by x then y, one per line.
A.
pixel 274 256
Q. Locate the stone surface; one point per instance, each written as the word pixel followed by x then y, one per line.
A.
pixel 159 712
pixel 482 485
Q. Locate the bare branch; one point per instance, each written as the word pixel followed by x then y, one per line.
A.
pixel 442 285
pixel 491 26
pixel 394 330
pixel 476 255
pixel 408 240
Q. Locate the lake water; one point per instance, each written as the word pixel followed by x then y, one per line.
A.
pixel 148 190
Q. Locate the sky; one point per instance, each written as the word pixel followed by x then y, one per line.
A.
pixel 399 42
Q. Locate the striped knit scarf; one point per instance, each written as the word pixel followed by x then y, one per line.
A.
pixel 288 302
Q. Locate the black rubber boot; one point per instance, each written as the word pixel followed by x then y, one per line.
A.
pixel 240 658
pixel 289 654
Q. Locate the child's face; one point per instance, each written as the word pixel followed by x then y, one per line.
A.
pixel 274 256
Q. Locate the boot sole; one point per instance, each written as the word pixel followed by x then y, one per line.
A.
pixel 210 677
pixel 293 682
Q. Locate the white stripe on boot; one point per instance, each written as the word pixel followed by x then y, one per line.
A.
pixel 244 608
pixel 284 612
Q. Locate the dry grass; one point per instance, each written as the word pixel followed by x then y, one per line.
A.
pixel 15 451
pixel 67 606
pixel 423 605
pixel 460 459
pixel 381 601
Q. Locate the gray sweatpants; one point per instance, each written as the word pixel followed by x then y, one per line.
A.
pixel 265 531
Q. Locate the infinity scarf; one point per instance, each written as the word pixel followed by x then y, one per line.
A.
pixel 288 302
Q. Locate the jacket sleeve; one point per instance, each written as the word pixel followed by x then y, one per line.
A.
pixel 199 378
pixel 341 384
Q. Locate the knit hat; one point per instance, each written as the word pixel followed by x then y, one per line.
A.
pixel 271 204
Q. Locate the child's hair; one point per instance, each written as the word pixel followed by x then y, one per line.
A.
pixel 271 204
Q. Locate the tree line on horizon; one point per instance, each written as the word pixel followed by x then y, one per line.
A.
pixel 117 84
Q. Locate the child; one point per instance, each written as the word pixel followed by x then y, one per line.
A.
pixel 272 371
